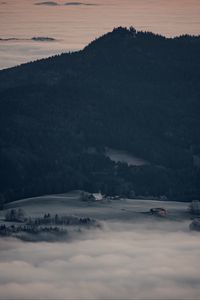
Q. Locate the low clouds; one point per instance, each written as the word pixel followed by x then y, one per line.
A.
pixel 79 3
pixel 47 3
pixel 124 261
pixel 35 38
pixel 74 3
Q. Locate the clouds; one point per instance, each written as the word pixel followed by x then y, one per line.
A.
pixel 74 26
pixel 35 38
pixel 47 3
pixel 16 52
pixel 79 4
pixel 74 3
pixel 126 261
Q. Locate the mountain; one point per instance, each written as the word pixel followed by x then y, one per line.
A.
pixel 128 90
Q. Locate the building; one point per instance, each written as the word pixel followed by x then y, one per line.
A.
pixel 158 211
pixel 98 196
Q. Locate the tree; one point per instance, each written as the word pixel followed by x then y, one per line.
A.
pixel 133 30
pixel 20 215
pixel 194 207
pixel 2 201
pixel 11 215
pixel 14 215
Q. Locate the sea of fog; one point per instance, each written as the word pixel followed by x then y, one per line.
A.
pixel 123 261
pixel 142 258
pixel 76 24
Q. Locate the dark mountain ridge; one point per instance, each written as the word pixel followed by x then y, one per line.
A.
pixel 128 90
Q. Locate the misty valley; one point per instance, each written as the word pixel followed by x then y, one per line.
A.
pixel 87 243
pixel 30 219
pixel 100 170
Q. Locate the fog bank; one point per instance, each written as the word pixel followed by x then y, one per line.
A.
pixel 158 260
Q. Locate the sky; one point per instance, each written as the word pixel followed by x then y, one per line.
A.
pixel 74 26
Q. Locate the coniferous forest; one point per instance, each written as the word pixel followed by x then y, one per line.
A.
pixel 127 90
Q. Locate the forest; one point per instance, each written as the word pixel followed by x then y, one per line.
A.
pixel 128 90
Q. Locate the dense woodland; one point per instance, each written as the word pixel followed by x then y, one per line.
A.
pixel 128 90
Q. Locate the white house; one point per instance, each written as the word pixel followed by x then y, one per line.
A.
pixel 98 196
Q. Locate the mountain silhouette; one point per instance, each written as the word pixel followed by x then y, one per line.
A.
pixel 128 90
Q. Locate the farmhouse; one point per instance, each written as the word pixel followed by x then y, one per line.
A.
pixel 158 211
pixel 98 196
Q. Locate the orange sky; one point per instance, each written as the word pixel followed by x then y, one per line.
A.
pixel 75 26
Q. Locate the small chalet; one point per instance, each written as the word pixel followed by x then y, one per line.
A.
pixel 98 196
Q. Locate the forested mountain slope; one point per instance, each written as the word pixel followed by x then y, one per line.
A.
pixel 127 90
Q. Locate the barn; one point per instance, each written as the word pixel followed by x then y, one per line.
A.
pixel 158 211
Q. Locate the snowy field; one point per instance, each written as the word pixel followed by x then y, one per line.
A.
pixel 133 256
pixel 71 204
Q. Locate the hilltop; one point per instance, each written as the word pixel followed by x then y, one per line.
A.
pixel 133 91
